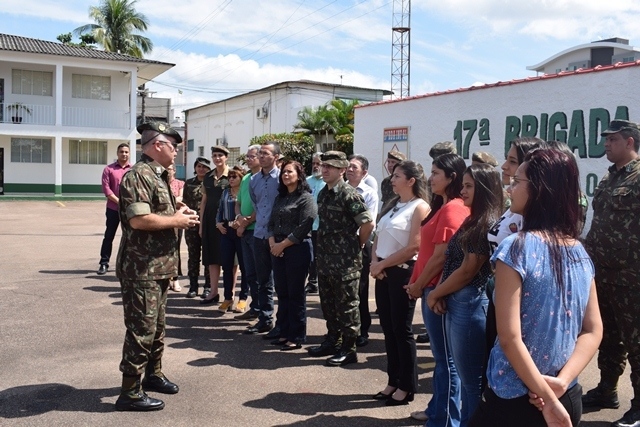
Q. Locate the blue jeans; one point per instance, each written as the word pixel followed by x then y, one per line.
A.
pixel 250 268
pixel 289 274
pixel 443 409
pixel 230 247
pixel 262 256
pixel 465 324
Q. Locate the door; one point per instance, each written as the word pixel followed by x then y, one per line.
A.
pixel 1 100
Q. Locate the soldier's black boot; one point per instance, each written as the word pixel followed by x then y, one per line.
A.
pixel 159 383
pixel 207 288
pixel 603 396
pixel 329 347
pixel 193 287
pixel 133 398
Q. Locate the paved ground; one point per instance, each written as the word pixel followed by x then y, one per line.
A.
pixel 61 336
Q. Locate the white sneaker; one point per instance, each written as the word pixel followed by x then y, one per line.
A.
pixel 419 415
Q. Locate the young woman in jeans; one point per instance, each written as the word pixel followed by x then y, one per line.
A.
pixel 547 314
pixel 447 214
pixel 460 296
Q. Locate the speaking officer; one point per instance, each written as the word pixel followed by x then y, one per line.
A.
pixel 147 260
pixel 342 213
pixel 613 243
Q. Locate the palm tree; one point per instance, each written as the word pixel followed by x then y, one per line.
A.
pixel 115 24
pixel 316 122
pixel 344 115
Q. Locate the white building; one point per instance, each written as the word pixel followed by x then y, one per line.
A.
pixel 273 109
pixel 589 55
pixel 63 112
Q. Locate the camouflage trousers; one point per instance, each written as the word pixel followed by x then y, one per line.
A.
pixel 621 334
pixel 144 303
pixel 339 302
pixel 194 245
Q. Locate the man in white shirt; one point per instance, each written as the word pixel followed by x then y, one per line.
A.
pixel 356 172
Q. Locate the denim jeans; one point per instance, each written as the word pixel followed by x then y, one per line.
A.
pixel 262 256
pixel 289 274
pixel 250 268
pixel 443 409
pixel 230 246
pixel 465 323
pixel 113 220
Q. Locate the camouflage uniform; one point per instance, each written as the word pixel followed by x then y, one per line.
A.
pixel 192 196
pixel 146 261
pixel 341 211
pixel 387 191
pixel 613 243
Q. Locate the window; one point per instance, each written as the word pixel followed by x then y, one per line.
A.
pixel 190 145
pixel 27 82
pixel 201 151
pixel 234 153
pixel 85 152
pixel 30 150
pixel 91 87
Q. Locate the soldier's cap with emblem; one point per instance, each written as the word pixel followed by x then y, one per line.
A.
pixel 619 125
pixel 337 159
pixel 220 149
pixel 396 155
pixel 484 157
pixel 161 129
pixel 441 148
pixel 202 161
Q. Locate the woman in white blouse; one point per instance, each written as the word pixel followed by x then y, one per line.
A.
pixel 394 253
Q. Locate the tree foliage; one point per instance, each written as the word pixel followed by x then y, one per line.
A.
pixel 115 27
pixel 293 146
pixel 86 40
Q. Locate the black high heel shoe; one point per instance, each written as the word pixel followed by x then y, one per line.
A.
pixel 393 402
pixel 382 396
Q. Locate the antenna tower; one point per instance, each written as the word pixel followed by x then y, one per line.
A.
pixel 400 48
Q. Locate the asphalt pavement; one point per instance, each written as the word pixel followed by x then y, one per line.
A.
pixel 61 334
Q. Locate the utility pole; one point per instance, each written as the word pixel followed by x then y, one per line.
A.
pixel 400 48
pixel 144 93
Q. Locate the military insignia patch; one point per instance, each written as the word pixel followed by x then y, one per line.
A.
pixel 161 127
pixel 513 227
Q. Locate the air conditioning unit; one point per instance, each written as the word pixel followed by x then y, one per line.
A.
pixel 259 113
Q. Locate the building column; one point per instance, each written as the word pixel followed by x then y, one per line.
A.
pixel 59 96
pixel 133 100
pixel 57 160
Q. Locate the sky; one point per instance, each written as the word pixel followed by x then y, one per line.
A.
pixel 222 48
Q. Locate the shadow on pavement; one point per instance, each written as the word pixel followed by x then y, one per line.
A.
pixel 30 400
pixel 346 421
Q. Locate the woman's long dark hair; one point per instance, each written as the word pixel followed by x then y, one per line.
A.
pixel 486 208
pixel 302 182
pixel 524 145
pixel 453 167
pixel 553 207
pixel 410 169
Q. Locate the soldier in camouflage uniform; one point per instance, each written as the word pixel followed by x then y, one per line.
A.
pixel 147 260
pixel 342 213
pixel 393 158
pixel 613 243
pixel 192 196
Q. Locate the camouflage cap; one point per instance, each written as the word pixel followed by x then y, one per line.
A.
pixel 220 149
pixel 202 161
pixel 160 129
pixel 396 155
pixel 619 125
pixel 337 159
pixel 441 148
pixel 484 157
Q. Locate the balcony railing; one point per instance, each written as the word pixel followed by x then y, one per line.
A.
pixel 71 116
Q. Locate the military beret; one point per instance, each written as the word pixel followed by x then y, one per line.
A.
pixel 483 157
pixel 337 159
pixel 161 129
pixel 220 149
pixel 202 161
pixel 396 155
pixel 441 148
pixel 619 125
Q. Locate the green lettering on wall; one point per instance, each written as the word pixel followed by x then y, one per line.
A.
pixel 483 134
pixel 558 119
pixel 529 125
pixel 622 113
pixel 592 183
pixel 598 121
pixel 576 134
pixel 511 132
pixel 544 123
pixel 470 126
pixel 457 136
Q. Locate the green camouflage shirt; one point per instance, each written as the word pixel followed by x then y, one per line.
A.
pixel 613 241
pixel 341 211
pixel 192 193
pixel 146 255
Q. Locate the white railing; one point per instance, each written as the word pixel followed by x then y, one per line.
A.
pixel 95 117
pixel 27 114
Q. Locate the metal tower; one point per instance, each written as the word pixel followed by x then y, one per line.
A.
pixel 400 48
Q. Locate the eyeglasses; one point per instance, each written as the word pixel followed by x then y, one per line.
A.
pixel 514 180
pixel 172 147
pixel 233 177
pixel 250 157
pixel 264 153
pixel 217 155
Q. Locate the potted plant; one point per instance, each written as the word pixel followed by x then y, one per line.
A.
pixel 17 109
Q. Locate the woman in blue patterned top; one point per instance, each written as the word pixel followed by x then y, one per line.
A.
pixel 547 314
